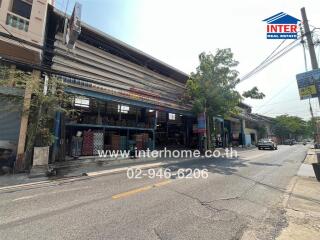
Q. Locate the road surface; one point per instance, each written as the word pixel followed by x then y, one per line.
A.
pixel 240 195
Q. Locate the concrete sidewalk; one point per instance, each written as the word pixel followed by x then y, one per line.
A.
pixel 73 169
pixel 306 169
pixel 303 204
pixel 85 165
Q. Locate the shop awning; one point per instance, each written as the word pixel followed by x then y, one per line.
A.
pixel 107 97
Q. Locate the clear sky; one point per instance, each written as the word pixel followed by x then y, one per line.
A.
pixel 176 31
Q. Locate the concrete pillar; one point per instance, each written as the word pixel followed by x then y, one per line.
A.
pixel 20 161
pixel 243 137
pixel 11 82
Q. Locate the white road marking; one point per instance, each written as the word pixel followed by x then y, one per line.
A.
pixel 92 174
pixel 49 193
pixel 23 198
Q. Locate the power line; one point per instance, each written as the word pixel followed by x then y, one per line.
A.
pixel 275 95
pixel 290 112
pixel 12 35
pixel 78 75
pixel 285 101
pixel 47 68
pixel 270 60
pixel 265 60
pixel 304 105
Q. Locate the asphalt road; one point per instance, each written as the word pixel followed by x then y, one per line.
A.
pixel 240 195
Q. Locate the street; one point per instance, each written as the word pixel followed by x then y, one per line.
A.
pixel 239 195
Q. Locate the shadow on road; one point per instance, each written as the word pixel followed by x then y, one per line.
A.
pixel 225 166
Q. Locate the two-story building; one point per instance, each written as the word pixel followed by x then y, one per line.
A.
pixel 124 96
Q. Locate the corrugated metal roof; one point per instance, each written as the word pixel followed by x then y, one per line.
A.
pixel 148 60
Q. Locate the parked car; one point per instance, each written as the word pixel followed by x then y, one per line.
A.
pixel 267 143
pixel 289 142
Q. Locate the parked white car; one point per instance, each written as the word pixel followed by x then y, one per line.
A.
pixel 267 143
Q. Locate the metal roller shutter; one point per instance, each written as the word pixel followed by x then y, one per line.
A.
pixel 10 117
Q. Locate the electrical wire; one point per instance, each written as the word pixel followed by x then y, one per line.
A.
pixel 305 56
pixel 12 35
pixel 285 101
pixel 269 59
pixel 275 95
pixel 265 60
pixel 273 56
pixel 67 5
pixel 272 59
pixel 47 68
pixel 295 107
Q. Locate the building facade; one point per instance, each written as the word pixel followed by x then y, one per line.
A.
pixel 123 96
pixel 22 31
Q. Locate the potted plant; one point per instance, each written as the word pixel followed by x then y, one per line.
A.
pixel 44 139
pixel 48 99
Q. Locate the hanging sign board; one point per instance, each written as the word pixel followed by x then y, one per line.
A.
pixel 201 128
pixel 309 84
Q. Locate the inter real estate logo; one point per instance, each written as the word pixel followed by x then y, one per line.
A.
pixel 282 26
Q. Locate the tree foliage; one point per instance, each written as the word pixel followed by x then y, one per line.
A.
pixel 287 127
pixel 212 88
pixel 262 131
pixel 253 93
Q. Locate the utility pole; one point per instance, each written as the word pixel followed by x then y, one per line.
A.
pixel 312 52
pixel 305 65
pixel 313 58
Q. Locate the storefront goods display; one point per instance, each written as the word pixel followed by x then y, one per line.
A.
pixel 98 142
pixel 87 146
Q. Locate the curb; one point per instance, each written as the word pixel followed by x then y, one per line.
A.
pixel 88 175
pixel 84 175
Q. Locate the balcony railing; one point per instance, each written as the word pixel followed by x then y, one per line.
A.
pixel 17 21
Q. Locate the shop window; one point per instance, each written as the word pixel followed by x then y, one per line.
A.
pixel 82 102
pixel 172 116
pixel 21 8
pixel 123 108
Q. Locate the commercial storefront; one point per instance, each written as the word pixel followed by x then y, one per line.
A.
pixel 122 96
pixel 104 122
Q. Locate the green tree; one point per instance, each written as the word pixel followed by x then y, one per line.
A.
pixel 262 131
pixel 253 93
pixel 286 127
pixel 211 89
